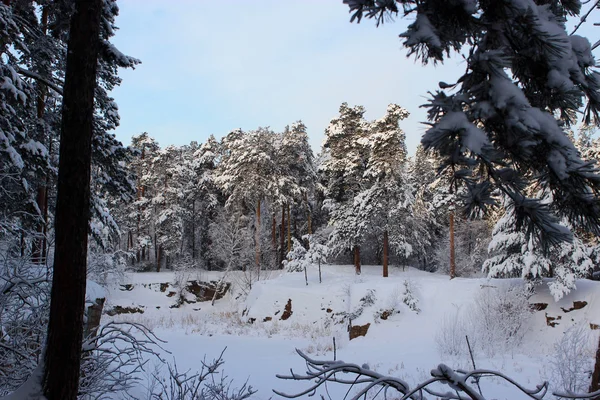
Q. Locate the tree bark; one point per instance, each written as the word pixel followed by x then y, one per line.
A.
pixel 39 248
pixel 289 229
pixel 452 261
pixel 308 215
pixel 193 229
pixel 65 327
pixel 257 238
pixel 357 259
pixel 385 253
pixel 38 243
pixel 282 237
pixel 22 243
pixel 595 384
pixel 274 231
pixel 159 252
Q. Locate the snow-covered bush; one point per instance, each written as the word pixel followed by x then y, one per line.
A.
pixel 296 259
pixel 366 301
pixel 450 337
pixel 104 266
pixel 232 242
pixel 512 254
pixel 499 318
pixel 410 295
pixel 24 310
pixel 572 361
pixel 209 383
pixel 496 321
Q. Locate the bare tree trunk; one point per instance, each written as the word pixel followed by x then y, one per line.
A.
pixel 39 252
pixel 65 326
pixel 320 281
pixel 159 252
pixel 595 384
pixel 385 253
pixel 289 230
pixel 193 229
pixel 156 251
pixel 308 215
pixel 38 242
pixel 274 231
pixel 452 261
pixel 282 237
pixel 258 235
pixel 22 243
pixel 357 259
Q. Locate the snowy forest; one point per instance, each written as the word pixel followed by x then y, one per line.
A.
pixel 488 231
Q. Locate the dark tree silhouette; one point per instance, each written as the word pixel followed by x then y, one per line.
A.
pixel 63 348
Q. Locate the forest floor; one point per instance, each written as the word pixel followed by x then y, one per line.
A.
pixel 416 321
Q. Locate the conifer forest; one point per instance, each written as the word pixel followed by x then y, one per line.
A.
pixel 247 262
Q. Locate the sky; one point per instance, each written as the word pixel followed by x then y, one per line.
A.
pixel 209 67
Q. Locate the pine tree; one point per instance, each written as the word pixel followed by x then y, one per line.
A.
pixel 208 198
pixel 297 178
pixel 63 346
pixel 140 217
pixel 246 175
pixel 388 195
pixel 344 167
pixel 498 118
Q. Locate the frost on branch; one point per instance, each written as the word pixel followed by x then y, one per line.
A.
pixel 445 383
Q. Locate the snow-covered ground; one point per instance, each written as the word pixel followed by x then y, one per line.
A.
pixel 419 308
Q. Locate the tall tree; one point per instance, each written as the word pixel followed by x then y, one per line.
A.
pixel 522 69
pixel 345 165
pixel 388 194
pixel 246 174
pixel 63 347
pixel 296 175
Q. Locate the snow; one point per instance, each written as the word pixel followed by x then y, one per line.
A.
pixel 94 291
pixel 424 32
pixel 404 345
pixel 30 390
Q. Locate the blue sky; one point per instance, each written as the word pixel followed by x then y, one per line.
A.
pixel 212 66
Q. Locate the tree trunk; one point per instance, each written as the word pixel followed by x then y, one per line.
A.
pixel 308 215
pixel 385 253
pixel 22 243
pixel 159 251
pixel 357 259
pixel 39 252
pixel 38 243
pixel 65 326
pixel 452 262
pixel 258 235
pixel 193 229
pixel 274 233
pixel 282 237
pixel 320 281
pixel 595 384
pixel 289 230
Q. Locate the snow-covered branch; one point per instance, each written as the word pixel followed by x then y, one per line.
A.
pixel 460 383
